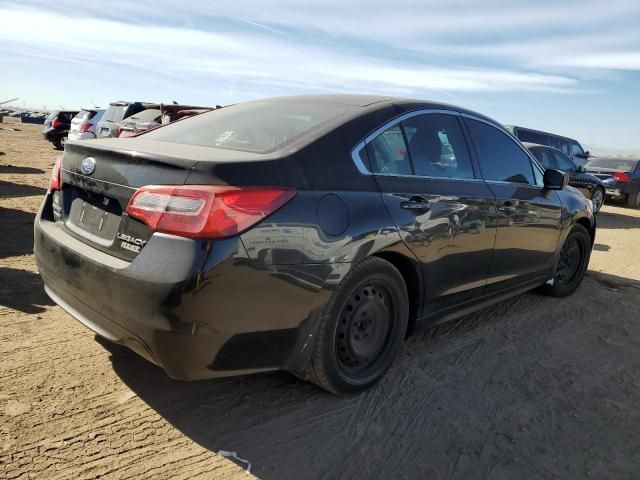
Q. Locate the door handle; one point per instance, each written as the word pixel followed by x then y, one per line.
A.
pixel 415 206
pixel 507 208
pixel 416 203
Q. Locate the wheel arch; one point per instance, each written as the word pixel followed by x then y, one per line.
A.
pixel 589 225
pixel 412 280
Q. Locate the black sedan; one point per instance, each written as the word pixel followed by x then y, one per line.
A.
pixel 620 176
pixel 590 185
pixel 308 234
pixel 56 127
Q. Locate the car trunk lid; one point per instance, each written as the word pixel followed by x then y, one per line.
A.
pixel 98 181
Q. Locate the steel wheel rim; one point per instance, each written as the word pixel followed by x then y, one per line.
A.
pixel 570 261
pixel 597 200
pixel 364 328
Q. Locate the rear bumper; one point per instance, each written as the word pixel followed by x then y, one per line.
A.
pixel 81 135
pixel 195 308
pixel 617 189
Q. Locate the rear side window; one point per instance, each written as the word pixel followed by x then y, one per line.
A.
pixel 532 137
pixel 501 158
pixel 437 146
pixel 388 152
pixel 257 127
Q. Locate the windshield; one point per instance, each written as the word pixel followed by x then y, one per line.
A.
pixel 253 127
pixel 613 163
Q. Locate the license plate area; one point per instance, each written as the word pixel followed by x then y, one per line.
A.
pixel 92 215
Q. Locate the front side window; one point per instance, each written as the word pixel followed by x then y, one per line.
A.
pixel 501 158
pixel 388 153
pixel 544 157
pixel 576 150
pixel 437 146
pixel 564 162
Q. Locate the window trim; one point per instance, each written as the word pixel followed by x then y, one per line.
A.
pixel 362 168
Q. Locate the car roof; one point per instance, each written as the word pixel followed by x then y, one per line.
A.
pixel 511 127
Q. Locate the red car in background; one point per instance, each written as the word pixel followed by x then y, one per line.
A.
pixel 156 115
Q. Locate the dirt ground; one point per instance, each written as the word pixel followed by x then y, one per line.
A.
pixel 532 388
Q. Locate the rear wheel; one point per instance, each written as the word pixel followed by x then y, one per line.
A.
pixel 58 143
pixel 572 263
pixel 597 199
pixel 633 199
pixel 362 328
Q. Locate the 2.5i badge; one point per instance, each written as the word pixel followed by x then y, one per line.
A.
pixel 131 243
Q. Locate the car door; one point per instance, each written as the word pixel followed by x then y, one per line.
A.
pixel 528 216
pixel 444 211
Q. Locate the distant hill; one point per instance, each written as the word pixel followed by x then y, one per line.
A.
pixel 605 152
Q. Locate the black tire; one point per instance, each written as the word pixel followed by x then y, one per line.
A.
pixel 58 143
pixel 572 264
pixel 633 199
pixel 597 198
pixel 362 328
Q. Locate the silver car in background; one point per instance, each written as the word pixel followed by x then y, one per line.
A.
pixel 85 123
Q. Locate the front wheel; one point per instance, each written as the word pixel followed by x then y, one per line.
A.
pixel 572 263
pixel 362 328
pixel 597 199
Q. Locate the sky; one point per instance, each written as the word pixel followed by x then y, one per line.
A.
pixel 569 67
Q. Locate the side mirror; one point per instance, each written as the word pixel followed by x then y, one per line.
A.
pixel 581 169
pixel 587 154
pixel 555 179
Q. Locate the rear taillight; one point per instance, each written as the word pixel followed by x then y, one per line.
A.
pixel 621 177
pixel 118 131
pixel 85 127
pixel 203 211
pixel 54 180
pixel 56 123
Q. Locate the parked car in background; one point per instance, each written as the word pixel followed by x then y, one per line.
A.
pixel 56 127
pixel 109 125
pixel 155 116
pixel 590 185
pixel 620 177
pixel 84 124
pixel 280 234
pixel 568 146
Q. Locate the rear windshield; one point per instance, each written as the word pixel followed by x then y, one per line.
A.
pixel 148 115
pixel 114 113
pixel 85 115
pixel 614 164
pixel 257 127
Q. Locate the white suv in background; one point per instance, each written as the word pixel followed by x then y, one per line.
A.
pixel 83 125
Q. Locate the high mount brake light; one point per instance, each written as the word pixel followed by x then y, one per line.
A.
pixel 54 180
pixel 203 211
pixel 621 177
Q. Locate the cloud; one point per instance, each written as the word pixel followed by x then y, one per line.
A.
pixel 246 59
